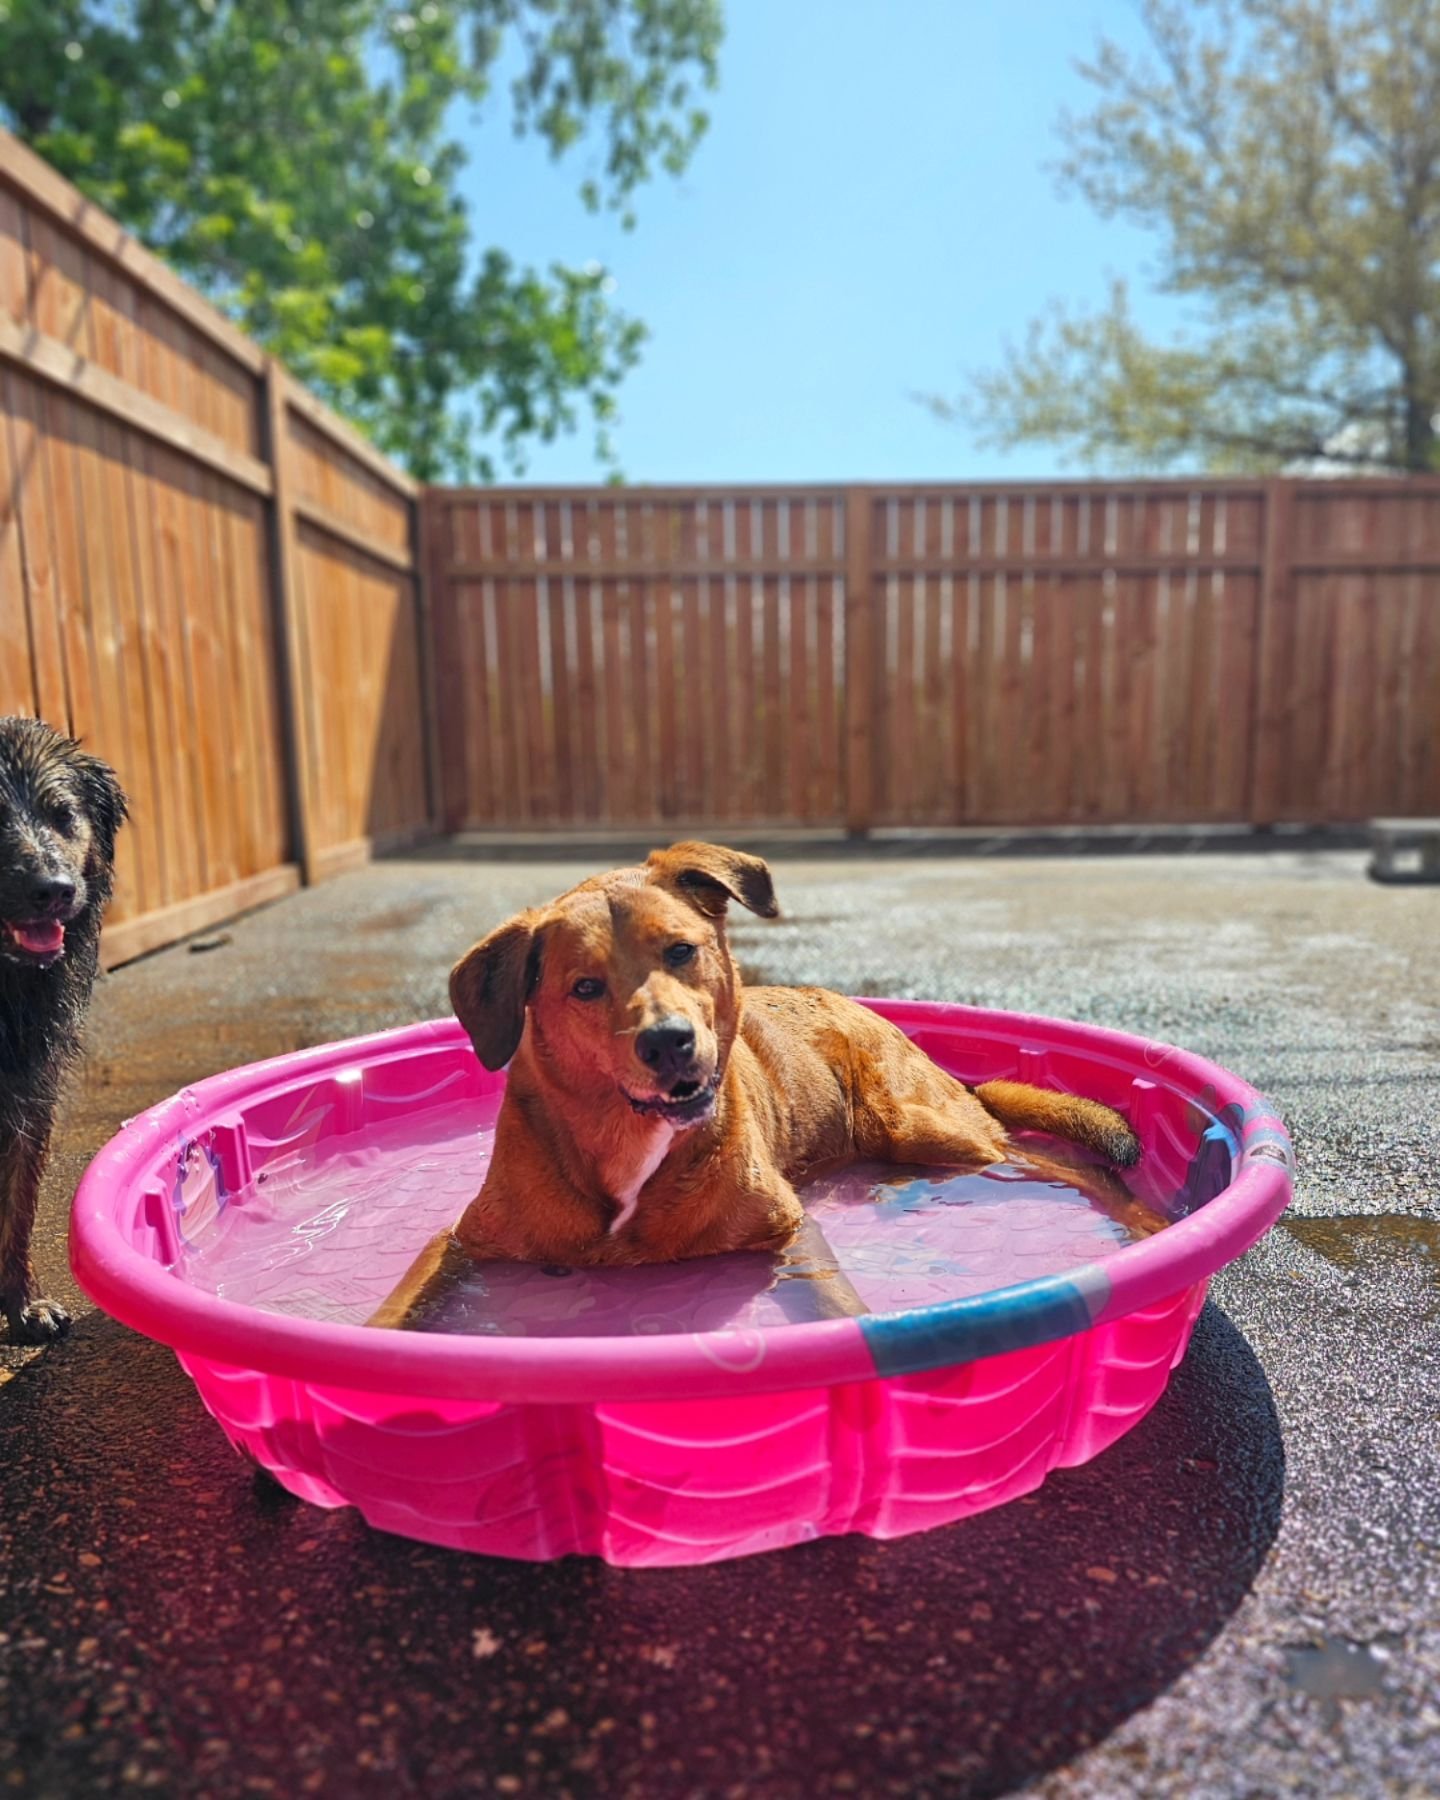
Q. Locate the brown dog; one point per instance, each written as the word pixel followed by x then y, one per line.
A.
pixel 655 1110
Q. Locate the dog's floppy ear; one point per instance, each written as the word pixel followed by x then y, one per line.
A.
pixel 104 800
pixel 491 985
pixel 710 876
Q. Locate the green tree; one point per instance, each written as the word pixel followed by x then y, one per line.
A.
pixel 1286 153
pixel 296 160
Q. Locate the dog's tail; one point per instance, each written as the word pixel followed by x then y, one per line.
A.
pixel 1087 1122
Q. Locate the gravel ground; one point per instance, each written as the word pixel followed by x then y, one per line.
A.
pixel 1240 1598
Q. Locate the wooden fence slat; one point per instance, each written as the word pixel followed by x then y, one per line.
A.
pixel 439 666
pixel 17 680
pixel 716 716
pixel 465 666
pixel 535 739
pixel 554 610
pixel 589 740
pixel 860 671
pixel 771 788
pixel 295 677
pixel 1276 602
pixel 668 790
pixel 693 736
pixel 14 262
pixel 807 745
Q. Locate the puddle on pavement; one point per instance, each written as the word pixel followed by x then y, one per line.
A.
pixel 1353 1241
pixel 1337 1668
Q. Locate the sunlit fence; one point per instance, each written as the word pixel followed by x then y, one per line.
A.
pixel 202 572
pixel 871 656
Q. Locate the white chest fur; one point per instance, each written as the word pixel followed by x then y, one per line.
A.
pixel 625 1186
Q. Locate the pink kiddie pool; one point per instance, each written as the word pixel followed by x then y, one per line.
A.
pixel 943 1342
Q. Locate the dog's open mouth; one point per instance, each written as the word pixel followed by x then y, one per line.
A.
pixel 36 940
pixel 687 1102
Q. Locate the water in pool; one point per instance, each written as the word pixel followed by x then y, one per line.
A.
pixel 326 1235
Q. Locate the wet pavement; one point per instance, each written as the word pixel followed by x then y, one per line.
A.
pixel 1240 1598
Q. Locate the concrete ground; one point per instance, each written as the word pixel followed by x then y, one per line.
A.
pixel 1240 1598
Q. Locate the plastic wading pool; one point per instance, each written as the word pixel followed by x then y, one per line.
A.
pixel 693 1432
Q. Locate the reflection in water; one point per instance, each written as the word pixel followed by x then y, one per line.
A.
pixel 1337 1668
pixel 1359 1238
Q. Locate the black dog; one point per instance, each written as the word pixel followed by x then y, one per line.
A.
pixel 59 812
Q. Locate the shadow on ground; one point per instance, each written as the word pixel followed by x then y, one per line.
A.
pixel 168 1612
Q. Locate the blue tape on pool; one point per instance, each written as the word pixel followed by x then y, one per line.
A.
pixel 962 1331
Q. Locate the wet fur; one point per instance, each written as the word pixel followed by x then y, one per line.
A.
pixel 805 1079
pixel 44 776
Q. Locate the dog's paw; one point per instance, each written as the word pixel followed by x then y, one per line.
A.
pixel 41 1322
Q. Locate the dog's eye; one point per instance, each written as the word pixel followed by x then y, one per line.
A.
pixel 678 955
pixel 588 988
pixel 64 818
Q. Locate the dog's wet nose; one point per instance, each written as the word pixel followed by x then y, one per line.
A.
pixel 669 1047
pixel 51 893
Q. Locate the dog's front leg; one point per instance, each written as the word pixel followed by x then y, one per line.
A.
pixel 763 1214
pixel 438 1267
pixel 32 1319
pixel 812 1284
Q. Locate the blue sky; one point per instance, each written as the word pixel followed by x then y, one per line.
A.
pixel 872 212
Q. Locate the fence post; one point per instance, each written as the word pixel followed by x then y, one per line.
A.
pixel 859 663
pixel 285 564
pixel 1276 591
pixel 428 549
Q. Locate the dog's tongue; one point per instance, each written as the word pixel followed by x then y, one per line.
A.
pixel 41 938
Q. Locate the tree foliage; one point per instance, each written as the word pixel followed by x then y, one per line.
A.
pixel 296 160
pixel 1286 153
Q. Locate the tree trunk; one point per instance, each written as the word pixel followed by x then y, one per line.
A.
pixel 1419 432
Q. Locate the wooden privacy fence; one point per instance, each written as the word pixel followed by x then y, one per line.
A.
pixel 203 572
pixel 294 657
pixel 1216 651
